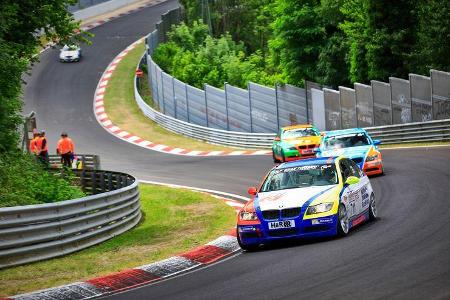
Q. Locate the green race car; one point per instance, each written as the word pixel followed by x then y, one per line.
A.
pixel 295 142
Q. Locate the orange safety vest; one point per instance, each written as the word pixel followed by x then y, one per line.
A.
pixel 40 144
pixel 65 145
pixel 33 145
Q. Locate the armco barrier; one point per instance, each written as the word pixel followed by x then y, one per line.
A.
pixel 88 161
pixel 36 232
pixel 431 131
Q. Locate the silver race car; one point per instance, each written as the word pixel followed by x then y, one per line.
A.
pixel 70 53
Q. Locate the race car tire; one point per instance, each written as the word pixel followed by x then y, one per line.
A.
pixel 275 160
pixel 372 208
pixel 343 222
pixel 247 248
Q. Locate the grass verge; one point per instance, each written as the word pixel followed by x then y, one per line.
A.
pixel 123 111
pixel 174 221
pixel 422 144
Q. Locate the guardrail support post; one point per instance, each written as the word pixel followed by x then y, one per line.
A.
pixel 250 107
pixel 206 105
pixel 94 182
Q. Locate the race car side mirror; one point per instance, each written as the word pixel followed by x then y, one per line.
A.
pixel 352 180
pixel 252 191
pixel 376 142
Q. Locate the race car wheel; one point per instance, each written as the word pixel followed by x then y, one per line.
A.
pixel 248 248
pixel 343 222
pixel 275 160
pixel 372 208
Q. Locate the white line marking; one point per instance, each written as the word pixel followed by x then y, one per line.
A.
pixel 133 138
pixel 194 153
pixel 176 150
pixel 214 153
pixel 159 147
pixel 144 143
pixel 236 153
pixel 123 133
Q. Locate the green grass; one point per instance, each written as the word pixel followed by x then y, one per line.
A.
pixel 415 144
pixel 174 221
pixel 124 112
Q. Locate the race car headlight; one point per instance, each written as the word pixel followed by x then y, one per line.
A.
pixel 319 208
pixel 248 216
pixel 372 157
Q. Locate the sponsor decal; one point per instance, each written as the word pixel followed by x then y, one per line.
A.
pixel 302 168
pixel 273 197
pixel 358 220
pixel 322 221
pixel 365 196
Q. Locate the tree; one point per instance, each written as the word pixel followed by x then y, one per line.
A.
pixel 298 37
pixel 22 26
pixel 392 31
pixel 432 48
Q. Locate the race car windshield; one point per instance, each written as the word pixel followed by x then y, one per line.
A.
pixel 345 141
pixel 301 132
pixel 299 177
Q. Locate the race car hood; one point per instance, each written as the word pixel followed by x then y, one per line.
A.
pixel 360 151
pixel 290 198
pixel 69 53
pixel 307 140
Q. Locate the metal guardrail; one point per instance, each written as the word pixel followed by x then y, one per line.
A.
pixel 431 131
pixel 88 161
pixel 36 232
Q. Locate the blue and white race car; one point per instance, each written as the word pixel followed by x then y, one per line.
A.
pixel 307 198
pixel 355 144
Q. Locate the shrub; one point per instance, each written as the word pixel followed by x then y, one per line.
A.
pixel 24 181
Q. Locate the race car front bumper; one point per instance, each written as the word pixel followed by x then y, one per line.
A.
pixel 373 168
pixel 309 228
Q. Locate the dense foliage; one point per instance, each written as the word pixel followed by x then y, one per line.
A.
pixel 333 42
pixel 22 24
pixel 24 181
pixel 193 56
pixel 24 27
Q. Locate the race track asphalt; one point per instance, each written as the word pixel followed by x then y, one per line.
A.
pixel 404 255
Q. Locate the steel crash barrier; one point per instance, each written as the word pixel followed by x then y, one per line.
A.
pixel 432 131
pixel 36 232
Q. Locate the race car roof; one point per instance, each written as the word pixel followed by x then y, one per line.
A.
pixel 344 131
pixel 308 162
pixel 297 126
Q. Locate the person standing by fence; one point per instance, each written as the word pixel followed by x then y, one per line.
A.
pixel 42 148
pixel 65 148
pixel 33 143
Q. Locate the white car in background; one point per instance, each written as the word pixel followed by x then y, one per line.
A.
pixel 70 53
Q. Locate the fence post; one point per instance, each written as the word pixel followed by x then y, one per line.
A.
pixel 94 182
pixel 110 182
pixel 431 91
pixel 206 105
pixel 162 89
pixel 187 102
pixel 276 103
pixel 96 159
pixel 250 107
pixel 226 105
pixel 102 182
pixel 174 98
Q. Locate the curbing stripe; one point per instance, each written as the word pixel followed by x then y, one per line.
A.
pixel 206 254
pixel 170 267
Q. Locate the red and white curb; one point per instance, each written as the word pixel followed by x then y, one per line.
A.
pixel 202 256
pixel 105 122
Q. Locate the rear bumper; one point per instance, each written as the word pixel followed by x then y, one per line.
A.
pixel 291 155
pixel 311 228
pixel 373 168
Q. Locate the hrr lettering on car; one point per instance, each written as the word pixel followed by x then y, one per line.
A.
pixel 306 198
